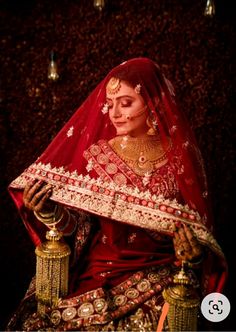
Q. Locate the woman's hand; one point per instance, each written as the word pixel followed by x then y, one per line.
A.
pixel 187 247
pixel 36 197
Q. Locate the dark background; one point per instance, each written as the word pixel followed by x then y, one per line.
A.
pixel 197 54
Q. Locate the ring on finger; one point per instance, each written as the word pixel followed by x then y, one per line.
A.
pixel 186 246
pixel 193 241
pixel 180 252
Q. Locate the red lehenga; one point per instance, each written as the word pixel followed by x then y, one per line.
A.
pixel 123 252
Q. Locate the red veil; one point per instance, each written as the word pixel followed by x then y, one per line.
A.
pixel 63 164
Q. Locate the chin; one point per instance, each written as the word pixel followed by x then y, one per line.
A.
pixel 120 132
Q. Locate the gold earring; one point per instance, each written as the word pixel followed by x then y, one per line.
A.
pixel 152 130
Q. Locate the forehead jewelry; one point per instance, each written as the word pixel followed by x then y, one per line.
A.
pixel 113 86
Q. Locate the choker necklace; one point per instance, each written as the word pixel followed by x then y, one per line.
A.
pixel 142 154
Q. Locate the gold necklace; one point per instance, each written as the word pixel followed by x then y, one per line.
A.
pixel 142 154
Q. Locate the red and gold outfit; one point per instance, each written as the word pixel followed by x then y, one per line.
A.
pixel 125 217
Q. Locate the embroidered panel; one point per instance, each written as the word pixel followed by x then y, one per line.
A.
pixel 108 165
pixel 100 306
pixel 118 202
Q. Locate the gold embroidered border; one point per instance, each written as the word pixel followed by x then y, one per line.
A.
pixel 121 203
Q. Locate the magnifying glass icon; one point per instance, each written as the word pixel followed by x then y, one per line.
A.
pixel 215 307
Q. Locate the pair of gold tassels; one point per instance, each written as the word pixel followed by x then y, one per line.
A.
pixel 182 300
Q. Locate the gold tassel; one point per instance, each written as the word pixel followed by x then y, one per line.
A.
pixel 52 266
pixel 183 303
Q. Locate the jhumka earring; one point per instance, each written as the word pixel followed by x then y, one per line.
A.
pixel 152 127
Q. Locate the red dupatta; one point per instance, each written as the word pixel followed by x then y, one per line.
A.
pixel 75 184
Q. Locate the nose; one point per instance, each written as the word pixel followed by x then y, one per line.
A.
pixel 115 111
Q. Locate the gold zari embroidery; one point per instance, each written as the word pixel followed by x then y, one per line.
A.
pixel 121 203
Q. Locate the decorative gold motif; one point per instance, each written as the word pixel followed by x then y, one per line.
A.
pixel 143 285
pixel 100 305
pixel 163 180
pixel 102 159
pixel 184 302
pixel 143 155
pixel 153 277
pixel 51 270
pixel 55 317
pixel 132 293
pixel 163 271
pixel 126 204
pixel 120 179
pixel 68 314
pixel 120 300
pixel 95 149
pixel 113 86
pixel 111 168
pixel 92 312
pixel 86 309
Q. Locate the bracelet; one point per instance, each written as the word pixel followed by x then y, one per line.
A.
pixel 66 224
pixel 196 263
pixel 51 218
pixel 47 215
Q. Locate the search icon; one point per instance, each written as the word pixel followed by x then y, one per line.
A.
pixel 215 307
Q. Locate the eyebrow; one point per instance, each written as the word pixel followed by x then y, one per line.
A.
pixel 124 96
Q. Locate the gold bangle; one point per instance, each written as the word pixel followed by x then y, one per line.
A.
pixel 47 215
pixel 196 263
pixel 47 221
pixel 51 218
pixel 66 224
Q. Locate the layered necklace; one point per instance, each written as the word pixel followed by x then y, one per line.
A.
pixel 142 154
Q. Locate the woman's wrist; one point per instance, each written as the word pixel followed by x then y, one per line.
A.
pixel 61 217
pixel 196 261
pixel 68 223
pixel 50 218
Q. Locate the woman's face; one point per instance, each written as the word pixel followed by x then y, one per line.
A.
pixel 127 111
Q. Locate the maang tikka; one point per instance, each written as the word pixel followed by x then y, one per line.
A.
pixel 113 86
